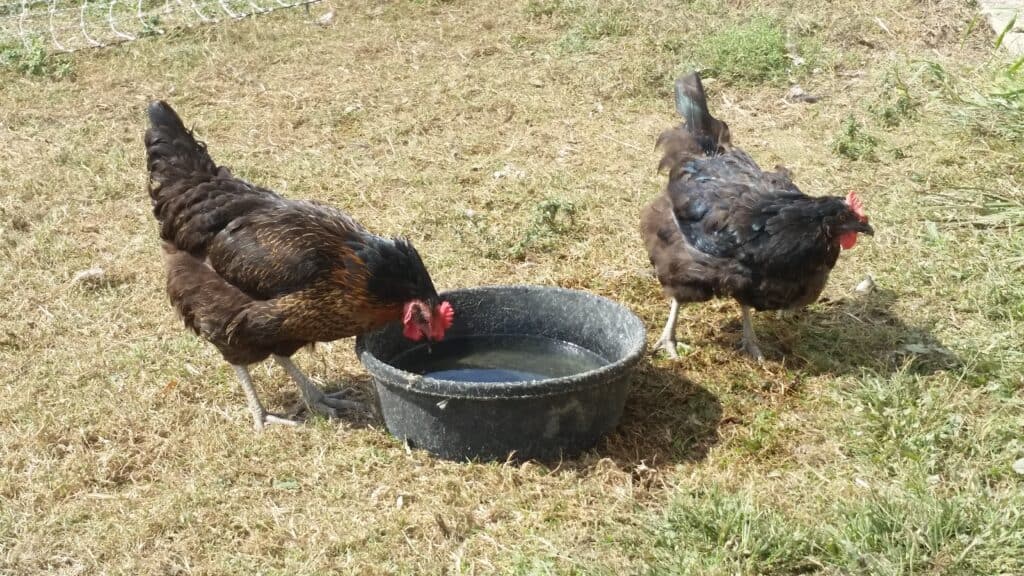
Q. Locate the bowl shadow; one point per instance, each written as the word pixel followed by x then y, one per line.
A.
pixel 668 419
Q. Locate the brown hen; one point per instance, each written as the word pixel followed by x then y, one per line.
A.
pixel 258 275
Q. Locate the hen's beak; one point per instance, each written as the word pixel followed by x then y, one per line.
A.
pixel 865 228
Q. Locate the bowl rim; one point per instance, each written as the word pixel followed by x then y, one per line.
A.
pixel 392 377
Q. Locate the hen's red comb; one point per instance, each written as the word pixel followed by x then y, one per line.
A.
pixel 855 204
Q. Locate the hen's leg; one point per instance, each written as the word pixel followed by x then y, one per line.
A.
pixel 749 340
pixel 260 417
pixel 314 398
pixel 667 342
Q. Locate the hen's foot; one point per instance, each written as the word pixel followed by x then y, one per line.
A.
pixel 751 348
pixel 332 405
pixel 261 421
pixel 668 345
pixel 667 342
pixel 260 417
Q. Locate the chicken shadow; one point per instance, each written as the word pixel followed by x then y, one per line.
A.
pixel 351 386
pixel 851 334
pixel 668 419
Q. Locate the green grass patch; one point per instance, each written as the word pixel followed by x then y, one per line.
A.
pixel 712 532
pixel 592 24
pixel 895 104
pixel 33 59
pixel 854 142
pixel 749 52
pixel 895 532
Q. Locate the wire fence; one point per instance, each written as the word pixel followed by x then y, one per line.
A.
pixel 69 25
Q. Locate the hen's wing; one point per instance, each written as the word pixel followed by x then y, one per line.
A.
pixel 286 246
pixel 719 203
pixel 727 207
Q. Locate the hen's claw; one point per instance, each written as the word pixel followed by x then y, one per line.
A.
pixel 668 345
pixel 337 401
pixel 261 422
pixel 331 405
pixel 752 350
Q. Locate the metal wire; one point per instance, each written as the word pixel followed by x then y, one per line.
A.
pixel 70 25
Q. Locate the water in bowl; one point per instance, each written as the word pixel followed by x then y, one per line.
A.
pixel 503 358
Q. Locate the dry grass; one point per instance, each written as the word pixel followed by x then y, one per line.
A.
pixel 879 439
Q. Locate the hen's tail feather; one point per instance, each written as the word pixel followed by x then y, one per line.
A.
pixel 172 153
pixel 702 135
pixel 692 104
pixel 193 198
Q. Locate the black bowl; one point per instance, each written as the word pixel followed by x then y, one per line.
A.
pixel 542 419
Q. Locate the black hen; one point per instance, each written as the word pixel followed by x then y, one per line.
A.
pixel 726 228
